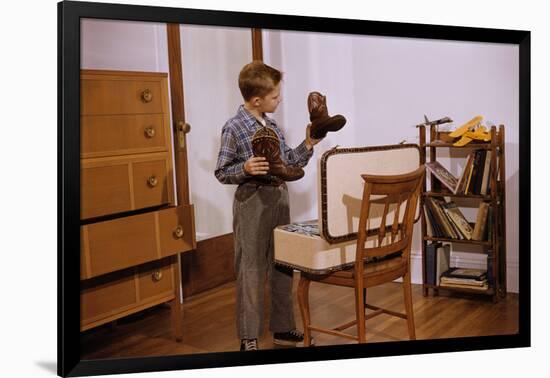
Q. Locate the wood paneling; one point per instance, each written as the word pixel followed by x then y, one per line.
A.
pixel 209 321
pixel 210 265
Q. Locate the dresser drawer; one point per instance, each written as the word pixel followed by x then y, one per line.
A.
pixel 106 94
pixel 106 296
pixel 150 183
pixel 105 189
pixel 114 185
pixel 123 134
pixel 156 279
pixel 133 240
pixel 117 294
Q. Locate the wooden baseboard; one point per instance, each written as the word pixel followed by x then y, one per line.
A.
pixel 210 265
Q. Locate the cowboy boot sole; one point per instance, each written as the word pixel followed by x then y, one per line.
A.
pixel 320 128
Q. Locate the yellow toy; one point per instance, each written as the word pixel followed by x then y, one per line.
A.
pixel 469 131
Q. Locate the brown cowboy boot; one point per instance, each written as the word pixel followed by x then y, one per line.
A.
pixel 265 143
pixel 321 123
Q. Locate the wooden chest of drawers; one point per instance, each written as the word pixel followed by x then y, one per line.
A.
pixel 131 230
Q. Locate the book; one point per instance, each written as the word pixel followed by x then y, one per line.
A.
pixel 481 222
pixel 465 172
pixel 429 228
pixel 465 273
pixel 443 204
pixel 480 169
pixel 431 262
pixel 442 219
pixel 443 261
pixel 486 174
pixel 470 173
pixel 488 234
pixel 462 281
pixel 475 171
pixel 455 215
pixel 437 221
pixel 483 287
pixel 443 175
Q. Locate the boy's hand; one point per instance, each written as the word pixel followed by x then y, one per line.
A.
pixel 256 166
pixel 310 142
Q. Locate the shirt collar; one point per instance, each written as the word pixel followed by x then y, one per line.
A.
pixel 250 121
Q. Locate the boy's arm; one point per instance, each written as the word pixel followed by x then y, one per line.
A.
pixel 229 170
pixel 299 155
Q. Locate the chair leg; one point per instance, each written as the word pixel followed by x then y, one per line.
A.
pixel 303 302
pixel 360 312
pixel 408 304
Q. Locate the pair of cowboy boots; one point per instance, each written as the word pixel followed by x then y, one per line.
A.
pixel 265 143
pixel 321 122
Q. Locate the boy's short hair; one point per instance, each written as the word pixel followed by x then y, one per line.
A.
pixel 258 79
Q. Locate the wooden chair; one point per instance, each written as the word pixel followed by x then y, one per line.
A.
pixel 386 261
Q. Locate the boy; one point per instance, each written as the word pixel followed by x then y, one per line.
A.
pixel 260 204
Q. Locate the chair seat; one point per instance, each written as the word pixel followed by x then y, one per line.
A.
pixel 385 265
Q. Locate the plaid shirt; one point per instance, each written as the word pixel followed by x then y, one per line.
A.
pixel 236 147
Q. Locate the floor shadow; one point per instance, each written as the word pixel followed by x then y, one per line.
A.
pixel 50 366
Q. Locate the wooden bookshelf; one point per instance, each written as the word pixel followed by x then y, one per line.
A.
pixel 449 194
pixel 495 248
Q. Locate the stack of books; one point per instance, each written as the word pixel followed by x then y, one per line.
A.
pixel 445 220
pixel 475 177
pixel 474 279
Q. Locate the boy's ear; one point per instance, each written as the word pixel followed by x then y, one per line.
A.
pixel 255 101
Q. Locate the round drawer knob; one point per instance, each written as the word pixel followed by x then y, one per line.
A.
pixel 157 275
pixel 147 96
pixel 149 132
pixel 178 232
pixel 152 181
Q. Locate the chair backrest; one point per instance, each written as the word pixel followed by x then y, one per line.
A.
pixel 396 197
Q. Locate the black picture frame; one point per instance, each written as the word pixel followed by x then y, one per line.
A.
pixel 69 15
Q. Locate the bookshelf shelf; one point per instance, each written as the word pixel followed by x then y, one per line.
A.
pixel 489 291
pixel 464 241
pixel 436 214
pixel 477 146
pixel 449 194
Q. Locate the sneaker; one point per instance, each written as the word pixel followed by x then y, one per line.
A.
pixel 294 338
pixel 249 344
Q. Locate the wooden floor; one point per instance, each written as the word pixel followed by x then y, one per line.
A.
pixel 209 321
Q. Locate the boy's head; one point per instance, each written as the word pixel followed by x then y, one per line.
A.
pixel 260 85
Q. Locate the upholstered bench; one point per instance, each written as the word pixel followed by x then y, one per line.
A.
pixel 328 243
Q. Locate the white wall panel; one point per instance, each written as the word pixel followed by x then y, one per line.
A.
pixel 212 59
pixel 123 45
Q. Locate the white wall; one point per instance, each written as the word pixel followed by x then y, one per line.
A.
pixel 123 45
pixel 212 59
pixel 384 86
